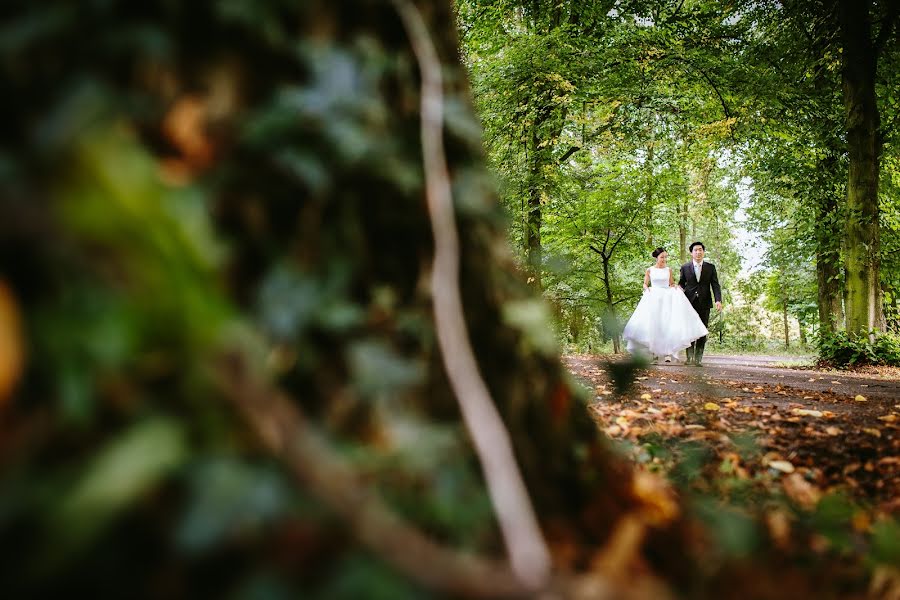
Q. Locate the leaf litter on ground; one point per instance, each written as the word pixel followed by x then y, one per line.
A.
pixel 830 440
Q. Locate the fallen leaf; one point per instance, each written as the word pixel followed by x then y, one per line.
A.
pixel 885 582
pixel 185 127
pixel 622 547
pixel 659 504
pixel 803 412
pixel 711 406
pixel 861 522
pixel 779 525
pixel 646 396
pixel 818 543
pixel 781 465
pixel 872 431
pixel 832 431
pixel 801 491
pixel 888 418
pixel 860 398
pixel 12 344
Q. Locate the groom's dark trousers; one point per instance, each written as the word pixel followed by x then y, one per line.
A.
pixel 700 294
pixel 695 351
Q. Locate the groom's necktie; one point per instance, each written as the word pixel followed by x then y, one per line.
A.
pixel 697 271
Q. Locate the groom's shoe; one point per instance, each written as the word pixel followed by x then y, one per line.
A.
pixel 698 359
pixel 690 356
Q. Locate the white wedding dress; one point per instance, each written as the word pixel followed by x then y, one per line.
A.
pixel 664 321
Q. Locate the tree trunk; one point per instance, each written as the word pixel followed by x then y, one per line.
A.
pixel 611 321
pixel 831 311
pixel 682 230
pixel 534 217
pixel 648 197
pixel 862 236
pixel 828 231
pixel 306 246
pixel 787 329
pixel 541 152
pixel 895 312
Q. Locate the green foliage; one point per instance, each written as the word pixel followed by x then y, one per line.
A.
pixel 843 350
pixel 736 533
pixel 611 123
pixel 886 542
pixel 297 239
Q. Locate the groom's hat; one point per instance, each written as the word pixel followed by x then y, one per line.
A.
pixel 691 247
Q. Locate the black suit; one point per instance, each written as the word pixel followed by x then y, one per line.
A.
pixel 698 294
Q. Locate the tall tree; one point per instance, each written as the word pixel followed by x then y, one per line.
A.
pixel 861 48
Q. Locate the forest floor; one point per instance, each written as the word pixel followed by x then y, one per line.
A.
pixel 799 433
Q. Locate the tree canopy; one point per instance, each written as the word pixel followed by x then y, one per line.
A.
pixel 639 124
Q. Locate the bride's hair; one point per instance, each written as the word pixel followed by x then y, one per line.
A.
pixel 658 251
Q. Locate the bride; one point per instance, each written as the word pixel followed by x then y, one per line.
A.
pixel 664 321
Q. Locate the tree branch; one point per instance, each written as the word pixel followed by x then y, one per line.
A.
pixel 525 545
pixel 624 231
pixel 572 150
pixel 285 433
pixel 631 297
pixel 714 87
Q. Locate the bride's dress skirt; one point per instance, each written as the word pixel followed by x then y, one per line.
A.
pixel 663 323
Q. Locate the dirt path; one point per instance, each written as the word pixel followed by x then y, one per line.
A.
pixel 728 375
pixel 765 370
pixel 838 430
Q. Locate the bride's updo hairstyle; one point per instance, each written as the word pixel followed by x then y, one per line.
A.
pixel 657 252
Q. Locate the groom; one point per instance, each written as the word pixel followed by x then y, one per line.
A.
pixel 696 279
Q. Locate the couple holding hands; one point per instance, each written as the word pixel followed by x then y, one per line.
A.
pixel 672 318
